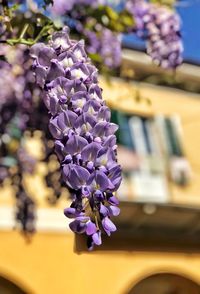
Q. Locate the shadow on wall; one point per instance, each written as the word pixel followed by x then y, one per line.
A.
pixel 165 283
pixel 8 287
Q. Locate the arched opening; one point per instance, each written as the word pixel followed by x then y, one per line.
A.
pixel 165 283
pixel 8 287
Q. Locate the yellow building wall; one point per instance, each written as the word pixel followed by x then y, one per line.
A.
pixel 49 265
pixel 165 101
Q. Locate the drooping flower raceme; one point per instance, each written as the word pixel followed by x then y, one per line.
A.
pixel 17 95
pixel 84 136
pixel 160 26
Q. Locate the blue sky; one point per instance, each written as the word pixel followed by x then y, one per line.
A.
pixel 190 14
pixel 189 11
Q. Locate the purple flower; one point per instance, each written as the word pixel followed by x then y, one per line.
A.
pixel 108 225
pixel 160 26
pixel 18 98
pixel 97 238
pixel 89 152
pixel 61 125
pixel 113 200
pixel 105 43
pixel 84 136
pixel 71 212
pixel 75 176
pixel 90 228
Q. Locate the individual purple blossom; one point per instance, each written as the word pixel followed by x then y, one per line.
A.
pixel 108 225
pixel 160 26
pixel 84 136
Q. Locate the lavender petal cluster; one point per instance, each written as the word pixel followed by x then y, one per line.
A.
pixel 84 136
pixel 105 43
pixel 160 26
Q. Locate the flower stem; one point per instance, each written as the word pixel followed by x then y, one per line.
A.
pixel 24 31
pixel 96 221
pixel 31 42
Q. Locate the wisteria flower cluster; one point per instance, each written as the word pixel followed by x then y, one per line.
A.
pixel 84 136
pixel 105 43
pixel 16 101
pixel 160 26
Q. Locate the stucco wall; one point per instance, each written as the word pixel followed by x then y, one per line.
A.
pixel 49 265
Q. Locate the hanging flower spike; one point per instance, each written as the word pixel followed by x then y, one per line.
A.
pixel 84 136
pixel 160 27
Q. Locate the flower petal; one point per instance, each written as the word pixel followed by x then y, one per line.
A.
pixel 77 227
pixel 97 238
pixel 90 228
pixel 108 225
pixel 75 176
pixel 75 144
pixel 114 210
pixel 89 152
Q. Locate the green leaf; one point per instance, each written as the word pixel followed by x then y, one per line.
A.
pixel 95 57
pixel 126 19
pixel 112 14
